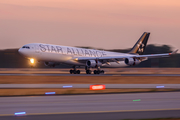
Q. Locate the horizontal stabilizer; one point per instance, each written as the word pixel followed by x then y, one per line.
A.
pixel 174 52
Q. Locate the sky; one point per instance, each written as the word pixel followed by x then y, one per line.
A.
pixel 106 24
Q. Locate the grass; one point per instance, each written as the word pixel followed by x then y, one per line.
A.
pixel 89 80
pixel 21 92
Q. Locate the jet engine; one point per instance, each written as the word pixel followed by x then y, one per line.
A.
pixel 93 63
pixel 132 61
pixel 50 64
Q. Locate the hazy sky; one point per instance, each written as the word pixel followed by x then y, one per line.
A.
pixel 108 24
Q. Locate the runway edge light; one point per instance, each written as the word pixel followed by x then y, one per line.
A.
pixel 137 100
pixel 67 86
pixel 20 113
pixel 159 86
pixel 50 93
pixel 97 87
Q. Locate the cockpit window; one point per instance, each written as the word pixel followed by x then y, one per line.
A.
pixel 27 47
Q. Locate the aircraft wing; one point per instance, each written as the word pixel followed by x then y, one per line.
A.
pixel 121 58
pixel 157 55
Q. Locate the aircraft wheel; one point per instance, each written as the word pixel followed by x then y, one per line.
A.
pixel 71 71
pixel 88 71
pixel 102 71
pixel 95 71
pixel 78 71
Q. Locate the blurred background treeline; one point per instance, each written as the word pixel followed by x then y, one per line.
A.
pixel 10 58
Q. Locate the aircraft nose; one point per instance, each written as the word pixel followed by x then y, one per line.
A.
pixel 21 51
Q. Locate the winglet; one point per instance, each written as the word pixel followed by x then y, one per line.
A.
pixel 174 52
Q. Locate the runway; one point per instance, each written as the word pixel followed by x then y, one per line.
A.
pixel 107 86
pixel 96 107
pixel 108 72
pixel 67 74
pixel 101 116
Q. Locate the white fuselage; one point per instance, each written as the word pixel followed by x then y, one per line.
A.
pixel 65 54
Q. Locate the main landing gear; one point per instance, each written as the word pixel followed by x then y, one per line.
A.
pixel 74 71
pixel 98 71
pixel 88 71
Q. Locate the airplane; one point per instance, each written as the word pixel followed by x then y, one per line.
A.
pixel 52 55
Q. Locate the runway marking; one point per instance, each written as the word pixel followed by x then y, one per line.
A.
pixel 94 112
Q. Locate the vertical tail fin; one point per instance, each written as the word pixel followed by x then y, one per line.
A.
pixel 140 45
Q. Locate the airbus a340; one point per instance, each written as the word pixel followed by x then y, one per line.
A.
pixel 52 55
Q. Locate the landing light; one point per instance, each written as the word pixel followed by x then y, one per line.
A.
pixel 32 60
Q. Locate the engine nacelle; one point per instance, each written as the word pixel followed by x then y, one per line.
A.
pixel 50 64
pixel 93 63
pixel 132 61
